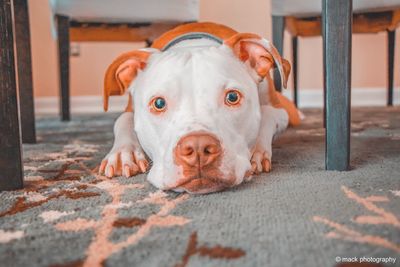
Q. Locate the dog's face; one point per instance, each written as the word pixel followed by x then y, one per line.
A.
pixel 197 114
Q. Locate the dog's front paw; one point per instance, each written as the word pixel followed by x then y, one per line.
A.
pixel 260 161
pixel 125 160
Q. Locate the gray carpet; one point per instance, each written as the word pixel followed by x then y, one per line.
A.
pixel 297 215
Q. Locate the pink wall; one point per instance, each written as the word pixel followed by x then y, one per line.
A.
pixel 369 51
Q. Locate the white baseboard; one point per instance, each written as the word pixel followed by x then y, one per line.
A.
pixel 360 97
pixel 308 98
pixel 80 104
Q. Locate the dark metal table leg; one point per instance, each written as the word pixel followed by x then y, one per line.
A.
pixel 295 70
pixel 278 28
pixel 11 169
pixel 391 44
pixel 24 68
pixel 337 27
pixel 63 57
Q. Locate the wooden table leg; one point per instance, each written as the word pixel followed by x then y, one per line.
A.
pixel 11 169
pixel 278 28
pixel 295 60
pixel 337 28
pixel 24 68
pixel 63 58
pixel 391 43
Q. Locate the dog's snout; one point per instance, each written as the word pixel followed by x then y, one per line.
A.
pixel 198 150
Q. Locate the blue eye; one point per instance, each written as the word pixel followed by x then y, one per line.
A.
pixel 232 98
pixel 158 104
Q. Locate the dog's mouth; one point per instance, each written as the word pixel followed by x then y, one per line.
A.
pixel 203 184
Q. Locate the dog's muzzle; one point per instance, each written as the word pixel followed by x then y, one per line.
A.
pixel 200 156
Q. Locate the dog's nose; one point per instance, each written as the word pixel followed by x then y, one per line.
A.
pixel 198 150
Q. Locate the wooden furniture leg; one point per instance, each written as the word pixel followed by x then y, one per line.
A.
pixel 24 69
pixel 391 44
pixel 337 30
pixel 11 169
pixel 63 58
pixel 294 69
pixel 278 28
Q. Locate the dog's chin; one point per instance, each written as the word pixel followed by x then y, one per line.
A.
pixel 202 185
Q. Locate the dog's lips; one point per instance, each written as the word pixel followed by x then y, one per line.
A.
pixel 203 185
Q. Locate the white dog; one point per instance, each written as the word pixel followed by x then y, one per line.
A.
pixel 204 109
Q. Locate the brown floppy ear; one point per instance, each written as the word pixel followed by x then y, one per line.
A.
pixel 260 53
pixel 122 72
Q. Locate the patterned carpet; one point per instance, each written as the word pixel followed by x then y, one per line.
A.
pixel 298 215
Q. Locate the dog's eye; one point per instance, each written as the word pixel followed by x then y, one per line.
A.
pixel 158 104
pixel 233 98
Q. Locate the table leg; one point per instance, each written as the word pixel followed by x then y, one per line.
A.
pixel 278 28
pixel 24 68
pixel 295 61
pixel 11 169
pixel 337 27
pixel 391 44
pixel 63 58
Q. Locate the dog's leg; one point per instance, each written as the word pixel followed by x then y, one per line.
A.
pixel 126 156
pixel 273 122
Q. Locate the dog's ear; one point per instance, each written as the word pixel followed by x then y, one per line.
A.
pixel 286 69
pixel 260 53
pixel 122 72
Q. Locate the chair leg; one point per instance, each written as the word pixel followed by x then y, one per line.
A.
pixel 24 69
pixel 278 27
pixel 11 169
pixel 391 45
pixel 149 43
pixel 294 63
pixel 63 57
pixel 337 27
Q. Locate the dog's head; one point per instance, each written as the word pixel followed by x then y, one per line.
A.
pixel 197 110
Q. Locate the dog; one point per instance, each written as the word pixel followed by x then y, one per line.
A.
pixel 202 107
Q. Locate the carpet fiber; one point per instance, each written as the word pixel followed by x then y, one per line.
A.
pixel 297 215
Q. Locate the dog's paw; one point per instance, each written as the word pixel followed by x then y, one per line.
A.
pixel 260 161
pixel 124 160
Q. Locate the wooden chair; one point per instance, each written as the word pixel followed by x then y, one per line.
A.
pixel 75 20
pixel 339 18
pixel 112 21
pixel 303 19
pixel 11 168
